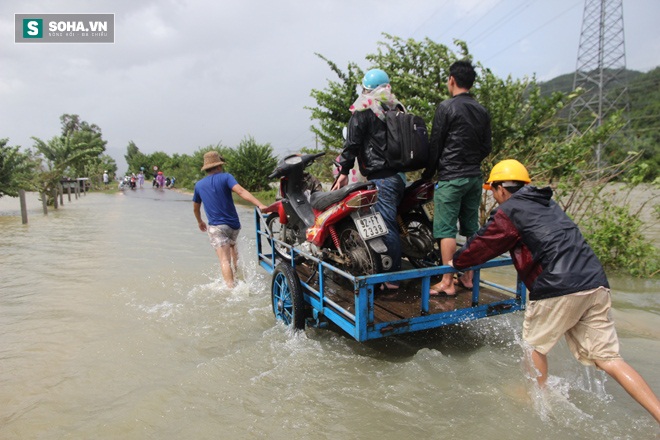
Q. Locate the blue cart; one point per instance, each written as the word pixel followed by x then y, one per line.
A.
pixel 309 292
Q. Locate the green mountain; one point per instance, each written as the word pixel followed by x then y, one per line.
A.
pixel 643 131
pixel 564 83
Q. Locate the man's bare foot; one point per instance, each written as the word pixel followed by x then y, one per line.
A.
pixel 442 289
pixel 465 281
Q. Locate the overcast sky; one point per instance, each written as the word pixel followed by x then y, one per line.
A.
pixel 184 74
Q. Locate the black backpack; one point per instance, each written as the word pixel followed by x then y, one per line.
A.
pixel 407 141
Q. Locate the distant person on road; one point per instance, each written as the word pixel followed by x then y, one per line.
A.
pixel 106 179
pixel 569 294
pixel 160 179
pixel 215 192
pixel 141 179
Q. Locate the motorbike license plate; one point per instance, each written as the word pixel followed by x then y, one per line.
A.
pixel 371 226
pixel 429 209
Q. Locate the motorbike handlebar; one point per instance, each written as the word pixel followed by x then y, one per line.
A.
pixel 309 158
pixel 283 166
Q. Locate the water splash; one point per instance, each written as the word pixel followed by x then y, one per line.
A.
pixel 554 402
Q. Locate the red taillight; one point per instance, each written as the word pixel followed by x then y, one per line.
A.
pixel 362 199
pixel 425 193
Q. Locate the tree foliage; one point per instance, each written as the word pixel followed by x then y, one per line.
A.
pixel 63 157
pixel 251 164
pixel 640 133
pixel 527 125
pixel 76 152
pixel 87 137
pixel 16 169
pixel 618 240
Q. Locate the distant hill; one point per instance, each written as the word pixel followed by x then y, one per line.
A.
pixel 564 83
pixel 644 115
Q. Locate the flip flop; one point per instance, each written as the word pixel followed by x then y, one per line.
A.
pixel 441 293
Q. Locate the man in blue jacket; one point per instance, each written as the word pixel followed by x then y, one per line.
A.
pixel 569 293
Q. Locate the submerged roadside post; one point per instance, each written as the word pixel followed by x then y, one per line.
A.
pixel 44 202
pixel 21 197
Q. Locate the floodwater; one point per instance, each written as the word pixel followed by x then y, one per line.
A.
pixel 114 323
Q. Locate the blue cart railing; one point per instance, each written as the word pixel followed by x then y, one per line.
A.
pixel 315 293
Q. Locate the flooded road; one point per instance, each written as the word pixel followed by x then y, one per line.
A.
pixel 114 323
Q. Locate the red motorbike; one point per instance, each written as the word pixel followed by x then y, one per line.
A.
pixel 340 226
pixel 415 219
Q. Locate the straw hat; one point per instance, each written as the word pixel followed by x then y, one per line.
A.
pixel 211 160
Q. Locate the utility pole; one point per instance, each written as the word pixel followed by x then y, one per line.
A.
pixel 601 66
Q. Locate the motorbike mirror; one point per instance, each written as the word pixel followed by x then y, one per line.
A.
pixel 274 174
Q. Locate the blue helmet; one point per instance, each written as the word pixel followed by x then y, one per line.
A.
pixel 375 78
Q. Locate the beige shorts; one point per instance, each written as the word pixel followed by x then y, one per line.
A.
pixel 222 235
pixel 584 318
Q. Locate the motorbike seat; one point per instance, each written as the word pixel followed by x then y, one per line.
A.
pixel 322 200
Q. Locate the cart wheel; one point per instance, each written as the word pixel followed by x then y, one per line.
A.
pixel 287 296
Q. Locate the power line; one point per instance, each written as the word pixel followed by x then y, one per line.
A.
pixel 429 19
pixel 457 21
pixel 498 24
pixel 533 32
pixel 483 17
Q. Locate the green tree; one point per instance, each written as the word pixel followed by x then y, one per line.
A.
pixel 251 164
pixel 156 159
pixel 60 157
pixel 642 133
pixel 418 71
pixel 89 138
pixel 332 114
pixel 136 160
pixel 333 102
pixel 16 169
pixel 527 125
pixel 98 165
pixel 197 158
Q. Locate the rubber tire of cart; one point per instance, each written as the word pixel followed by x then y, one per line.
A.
pixel 287 296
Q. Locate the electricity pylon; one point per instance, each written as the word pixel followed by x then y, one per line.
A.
pixel 601 67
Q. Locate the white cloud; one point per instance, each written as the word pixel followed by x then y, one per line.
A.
pixel 185 74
